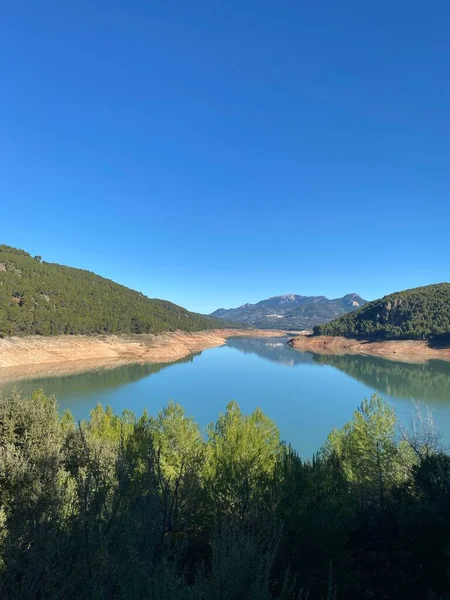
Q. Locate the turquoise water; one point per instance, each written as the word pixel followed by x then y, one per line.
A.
pixel 306 394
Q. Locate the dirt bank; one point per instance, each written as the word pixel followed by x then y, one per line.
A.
pixel 412 351
pixel 27 356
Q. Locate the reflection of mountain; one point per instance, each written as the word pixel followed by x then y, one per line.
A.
pixel 274 349
pixel 429 381
pixel 97 380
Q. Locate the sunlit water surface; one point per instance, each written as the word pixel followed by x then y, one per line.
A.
pixel 306 394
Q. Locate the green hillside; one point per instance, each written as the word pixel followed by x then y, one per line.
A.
pixel 49 299
pixel 419 313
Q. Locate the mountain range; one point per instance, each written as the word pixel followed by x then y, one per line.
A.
pixel 291 311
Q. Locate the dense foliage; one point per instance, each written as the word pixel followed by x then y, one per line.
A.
pixel 127 508
pixel 420 313
pixel 49 299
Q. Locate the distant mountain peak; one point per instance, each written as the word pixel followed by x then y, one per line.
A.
pixel 285 297
pixel 291 311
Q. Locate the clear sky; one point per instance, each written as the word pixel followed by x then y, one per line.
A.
pixel 216 153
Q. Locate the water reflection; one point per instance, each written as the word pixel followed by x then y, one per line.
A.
pixel 430 381
pixel 306 394
pixel 93 381
pixel 274 349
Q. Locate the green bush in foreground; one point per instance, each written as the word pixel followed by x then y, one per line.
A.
pixel 125 507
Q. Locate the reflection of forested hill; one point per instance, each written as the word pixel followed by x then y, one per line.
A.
pixel 97 380
pixel 274 349
pixel 429 381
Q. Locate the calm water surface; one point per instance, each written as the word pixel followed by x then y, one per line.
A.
pixel 306 394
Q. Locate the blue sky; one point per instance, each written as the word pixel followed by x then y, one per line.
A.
pixel 216 153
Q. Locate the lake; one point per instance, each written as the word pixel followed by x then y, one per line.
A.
pixel 306 394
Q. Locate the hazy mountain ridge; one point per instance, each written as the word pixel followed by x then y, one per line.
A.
pixel 291 311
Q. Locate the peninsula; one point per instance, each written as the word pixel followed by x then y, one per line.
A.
pixel 411 326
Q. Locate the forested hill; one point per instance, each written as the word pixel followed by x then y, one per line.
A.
pixel 49 299
pixel 419 313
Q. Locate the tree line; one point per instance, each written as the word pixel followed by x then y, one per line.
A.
pixel 420 313
pixel 121 507
pixel 39 298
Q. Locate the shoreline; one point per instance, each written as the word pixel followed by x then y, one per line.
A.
pixel 25 357
pixel 410 351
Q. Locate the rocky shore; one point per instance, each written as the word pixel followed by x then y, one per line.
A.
pixel 34 355
pixel 412 351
